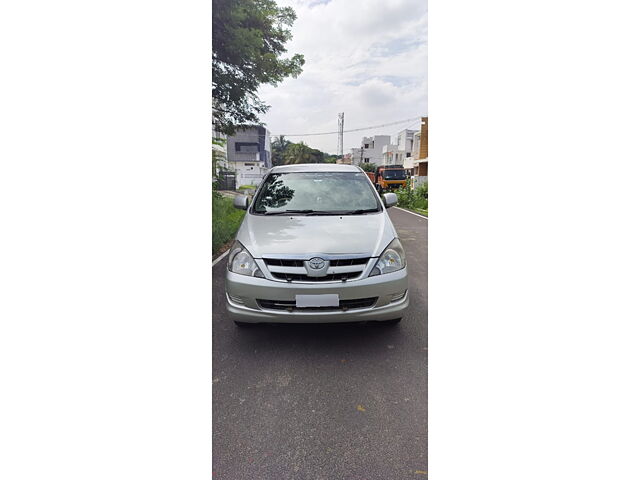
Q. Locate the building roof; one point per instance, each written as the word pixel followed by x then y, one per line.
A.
pixel 315 167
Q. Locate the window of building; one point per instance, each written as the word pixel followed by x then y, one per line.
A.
pixel 245 147
pixel 366 160
pixel 366 145
pixel 408 154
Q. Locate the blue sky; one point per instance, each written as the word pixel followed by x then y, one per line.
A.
pixel 366 58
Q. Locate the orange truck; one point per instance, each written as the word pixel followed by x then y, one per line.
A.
pixel 388 177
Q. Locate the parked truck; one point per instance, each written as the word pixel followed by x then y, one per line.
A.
pixel 388 177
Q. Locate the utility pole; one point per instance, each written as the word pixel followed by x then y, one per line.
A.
pixel 340 133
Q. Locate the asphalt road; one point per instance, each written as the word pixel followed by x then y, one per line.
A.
pixel 334 402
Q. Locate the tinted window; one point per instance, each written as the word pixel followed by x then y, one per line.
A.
pixel 394 175
pixel 244 147
pixel 317 192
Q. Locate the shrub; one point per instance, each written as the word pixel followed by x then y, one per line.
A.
pixel 413 199
pixel 226 221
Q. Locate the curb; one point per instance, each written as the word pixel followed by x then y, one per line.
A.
pixel 413 213
pixel 220 257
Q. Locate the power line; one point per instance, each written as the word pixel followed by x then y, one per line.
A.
pixel 413 119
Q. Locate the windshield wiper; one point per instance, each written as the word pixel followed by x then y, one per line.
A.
pixel 287 212
pixel 310 212
pixel 361 211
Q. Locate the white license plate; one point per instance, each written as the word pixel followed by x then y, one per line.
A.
pixel 328 300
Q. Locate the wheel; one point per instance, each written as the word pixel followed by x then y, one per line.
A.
pixel 243 324
pixel 395 321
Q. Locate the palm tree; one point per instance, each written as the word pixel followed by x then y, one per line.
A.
pixel 278 147
pixel 297 153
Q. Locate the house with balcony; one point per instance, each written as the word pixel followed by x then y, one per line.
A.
pixel 418 162
pixel 370 150
pixel 249 154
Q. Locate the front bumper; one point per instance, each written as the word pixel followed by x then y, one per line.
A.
pixel 249 289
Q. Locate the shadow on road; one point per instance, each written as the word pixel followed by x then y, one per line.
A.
pixel 319 339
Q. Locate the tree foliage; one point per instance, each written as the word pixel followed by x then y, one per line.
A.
pixel 249 38
pixel 278 147
pixel 368 167
pixel 285 152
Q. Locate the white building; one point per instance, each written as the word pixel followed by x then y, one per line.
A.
pixel 355 156
pixel 370 150
pixel 398 152
pixel 404 140
pixel 409 161
pixel 249 154
pixel 392 155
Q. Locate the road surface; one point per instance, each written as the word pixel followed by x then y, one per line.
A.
pixel 334 402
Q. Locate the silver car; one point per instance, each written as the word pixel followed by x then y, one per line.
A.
pixel 316 245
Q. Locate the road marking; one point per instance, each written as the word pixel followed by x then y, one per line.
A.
pixel 413 213
pixel 421 472
pixel 220 258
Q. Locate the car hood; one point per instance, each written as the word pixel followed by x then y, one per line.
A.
pixel 332 235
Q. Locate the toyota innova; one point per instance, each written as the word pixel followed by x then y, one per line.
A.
pixel 316 245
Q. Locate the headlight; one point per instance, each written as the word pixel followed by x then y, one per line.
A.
pixel 391 260
pixel 241 262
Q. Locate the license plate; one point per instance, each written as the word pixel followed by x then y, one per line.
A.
pixel 328 300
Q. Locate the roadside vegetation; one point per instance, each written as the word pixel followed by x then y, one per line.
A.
pixel 226 221
pixel 416 200
pixel 226 218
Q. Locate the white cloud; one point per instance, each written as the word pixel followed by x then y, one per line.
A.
pixel 365 58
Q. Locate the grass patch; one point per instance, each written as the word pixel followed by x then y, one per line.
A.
pixel 226 221
pixel 423 212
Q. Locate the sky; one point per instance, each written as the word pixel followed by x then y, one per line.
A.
pixel 366 58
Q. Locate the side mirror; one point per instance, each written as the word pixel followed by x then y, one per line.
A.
pixel 241 202
pixel 390 200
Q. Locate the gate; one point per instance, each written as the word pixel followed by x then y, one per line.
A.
pixel 226 181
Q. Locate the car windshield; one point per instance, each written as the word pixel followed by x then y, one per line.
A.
pixel 316 193
pixel 394 175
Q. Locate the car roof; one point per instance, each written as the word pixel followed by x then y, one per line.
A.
pixel 315 167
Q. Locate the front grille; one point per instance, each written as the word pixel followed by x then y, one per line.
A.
pixel 348 261
pixel 298 277
pixel 290 305
pixel 294 270
pixel 284 262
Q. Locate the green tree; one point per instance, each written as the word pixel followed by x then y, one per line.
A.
pixel 216 157
pixel 249 38
pixel 297 153
pixel 368 167
pixel 278 147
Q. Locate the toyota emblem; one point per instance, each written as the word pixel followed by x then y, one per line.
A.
pixel 316 263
